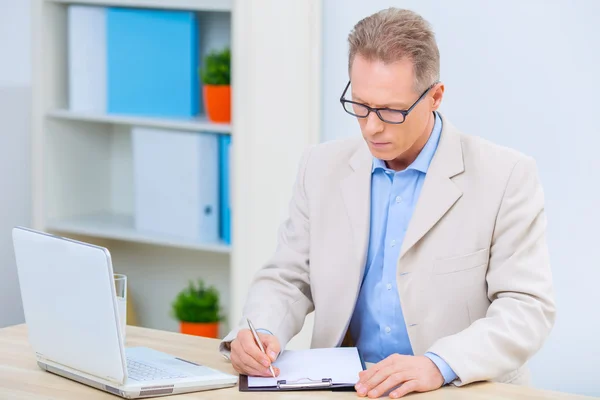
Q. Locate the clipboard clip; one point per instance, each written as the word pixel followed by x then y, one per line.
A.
pixel 305 383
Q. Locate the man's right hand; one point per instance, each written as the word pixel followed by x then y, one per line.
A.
pixel 247 358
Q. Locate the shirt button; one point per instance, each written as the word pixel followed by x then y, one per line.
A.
pixel 388 329
pixel 398 199
pixel 393 243
pixel 389 286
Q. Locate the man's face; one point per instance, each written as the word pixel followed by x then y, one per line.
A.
pixel 392 85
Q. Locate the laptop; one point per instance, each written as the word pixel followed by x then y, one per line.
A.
pixel 70 308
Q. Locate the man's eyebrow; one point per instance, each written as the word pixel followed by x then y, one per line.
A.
pixel 397 105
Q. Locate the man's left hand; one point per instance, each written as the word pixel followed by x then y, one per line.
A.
pixel 414 373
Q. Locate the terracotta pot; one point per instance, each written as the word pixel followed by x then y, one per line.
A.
pixel 210 330
pixel 217 101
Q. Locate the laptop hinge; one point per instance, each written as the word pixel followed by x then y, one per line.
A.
pixel 86 375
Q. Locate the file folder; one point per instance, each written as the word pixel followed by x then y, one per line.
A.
pixel 315 369
pixel 176 183
pixel 225 185
pixel 152 62
pixel 87 58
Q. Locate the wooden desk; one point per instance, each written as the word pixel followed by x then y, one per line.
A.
pixel 21 378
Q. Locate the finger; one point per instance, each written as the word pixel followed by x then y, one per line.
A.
pixel 237 364
pixel 271 345
pixel 379 378
pixel 253 367
pixel 250 347
pixel 234 349
pixel 246 370
pixel 369 372
pixel 240 366
pixel 238 356
pixel 361 386
pixel 276 370
pixel 365 375
pixel 389 360
pixel 388 384
pixel 374 381
pixel 407 387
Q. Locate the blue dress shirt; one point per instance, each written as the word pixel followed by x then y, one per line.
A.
pixel 377 326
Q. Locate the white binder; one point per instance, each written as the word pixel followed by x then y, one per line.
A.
pixel 176 183
pixel 87 58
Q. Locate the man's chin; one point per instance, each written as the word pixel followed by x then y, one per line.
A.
pixel 385 153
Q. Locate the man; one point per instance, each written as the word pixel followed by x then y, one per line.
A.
pixel 420 245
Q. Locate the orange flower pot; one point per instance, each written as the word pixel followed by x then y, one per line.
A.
pixel 210 330
pixel 217 101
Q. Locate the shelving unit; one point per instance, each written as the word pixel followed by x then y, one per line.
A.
pixel 83 176
pixel 83 181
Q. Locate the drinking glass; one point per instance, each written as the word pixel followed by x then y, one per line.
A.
pixel 121 290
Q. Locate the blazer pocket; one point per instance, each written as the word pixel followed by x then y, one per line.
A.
pixel 461 263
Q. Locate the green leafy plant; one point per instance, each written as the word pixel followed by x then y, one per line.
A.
pixel 197 304
pixel 217 68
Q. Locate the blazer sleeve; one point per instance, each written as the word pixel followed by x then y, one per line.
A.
pixel 279 298
pixel 522 310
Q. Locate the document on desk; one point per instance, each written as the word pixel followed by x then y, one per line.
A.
pixel 311 369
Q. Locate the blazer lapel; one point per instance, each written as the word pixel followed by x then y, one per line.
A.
pixel 356 192
pixel 439 192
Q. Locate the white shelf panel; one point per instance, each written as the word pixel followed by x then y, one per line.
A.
pixel 193 5
pixel 122 227
pixel 197 124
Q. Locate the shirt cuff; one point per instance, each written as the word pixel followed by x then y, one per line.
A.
pixel 444 368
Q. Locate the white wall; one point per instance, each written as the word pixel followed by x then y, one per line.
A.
pixel 15 170
pixel 15 35
pixel 523 74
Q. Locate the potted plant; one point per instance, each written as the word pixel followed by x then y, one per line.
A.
pixel 198 311
pixel 216 78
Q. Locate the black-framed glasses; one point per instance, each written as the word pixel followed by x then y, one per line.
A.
pixel 387 115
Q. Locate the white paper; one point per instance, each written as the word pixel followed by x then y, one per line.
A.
pixel 341 365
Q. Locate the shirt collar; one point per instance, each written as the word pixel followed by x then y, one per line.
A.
pixel 423 160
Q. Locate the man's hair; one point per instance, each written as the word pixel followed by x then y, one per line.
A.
pixel 394 35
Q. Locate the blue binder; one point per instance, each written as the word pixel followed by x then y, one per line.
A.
pixel 153 62
pixel 224 185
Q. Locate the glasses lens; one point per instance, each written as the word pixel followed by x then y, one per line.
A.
pixel 392 116
pixel 356 109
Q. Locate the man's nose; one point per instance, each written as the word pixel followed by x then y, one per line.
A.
pixel 373 125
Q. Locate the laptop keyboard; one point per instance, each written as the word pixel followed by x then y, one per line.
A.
pixel 144 372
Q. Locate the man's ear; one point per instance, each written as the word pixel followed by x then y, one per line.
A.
pixel 438 94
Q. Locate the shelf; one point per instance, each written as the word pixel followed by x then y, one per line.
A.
pixel 198 124
pixel 122 227
pixel 195 5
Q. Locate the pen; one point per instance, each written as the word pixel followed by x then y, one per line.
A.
pixel 257 339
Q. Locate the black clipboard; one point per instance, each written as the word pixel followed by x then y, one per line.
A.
pixel 301 384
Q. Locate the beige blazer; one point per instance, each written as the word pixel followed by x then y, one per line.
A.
pixel 473 274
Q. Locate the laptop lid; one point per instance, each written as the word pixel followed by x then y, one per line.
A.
pixel 69 302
